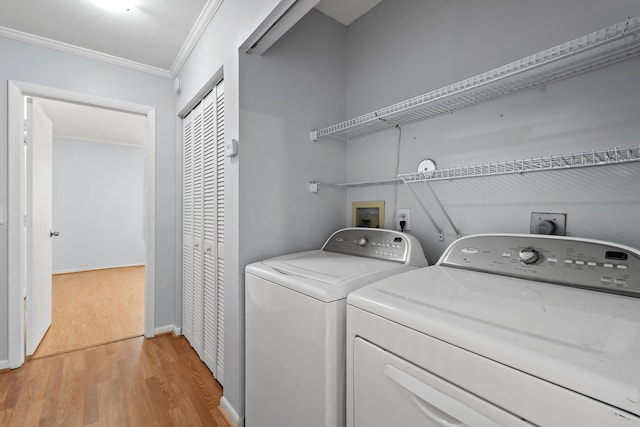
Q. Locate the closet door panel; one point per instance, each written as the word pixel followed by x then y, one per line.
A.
pixel 203 248
pixel 198 230
pixel 187 229
pixel 210 297
pixel 220 223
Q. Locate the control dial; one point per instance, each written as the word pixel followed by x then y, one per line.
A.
pixel 529 255
pixel 362 241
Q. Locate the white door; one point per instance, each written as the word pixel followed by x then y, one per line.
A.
pixel 39 224
pixel 203 230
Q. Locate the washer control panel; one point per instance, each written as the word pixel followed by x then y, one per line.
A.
pixel 377 243
pixel 584 263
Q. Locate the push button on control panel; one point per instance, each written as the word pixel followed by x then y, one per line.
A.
pixel 620 283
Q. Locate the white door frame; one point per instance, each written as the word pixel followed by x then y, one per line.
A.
pixel 16 92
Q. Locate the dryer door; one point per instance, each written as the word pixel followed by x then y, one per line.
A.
pixel 389 391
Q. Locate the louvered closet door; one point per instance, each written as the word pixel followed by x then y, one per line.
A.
pixel 220 183
pixel 187 229
pixel 198 231
pixel 214 231
pixel 192 253
pixel 203 294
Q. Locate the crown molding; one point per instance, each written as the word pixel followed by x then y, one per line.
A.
pixel 207 14
pixel 81 51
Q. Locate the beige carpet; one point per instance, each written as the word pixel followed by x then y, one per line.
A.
pixel 94 307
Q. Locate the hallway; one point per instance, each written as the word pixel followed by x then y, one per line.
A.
pixel 94 307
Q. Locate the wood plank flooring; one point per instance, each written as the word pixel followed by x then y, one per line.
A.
pixel 134 382
pixel 94 307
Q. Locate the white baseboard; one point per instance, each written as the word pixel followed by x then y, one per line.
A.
pixel 166 329
pixel 236 420
pixel 79 270
pixel 4 364
pixel 177 331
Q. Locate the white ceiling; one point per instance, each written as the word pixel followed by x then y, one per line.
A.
pixel 154 36
pixel 346 11
pixel 86 123
pixel 151 33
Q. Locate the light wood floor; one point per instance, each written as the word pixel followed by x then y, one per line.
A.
pixel 134 382
pixel 94 307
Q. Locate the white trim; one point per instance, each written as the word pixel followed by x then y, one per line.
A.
pixel 81 51
pixel 166 329
pixel 97 141
pixel 15 321
pixel 225 406
pixel 150 232
pixel 80 270
pixel 284 16
pixel 207 14
pixel 16 90
pixel 4 364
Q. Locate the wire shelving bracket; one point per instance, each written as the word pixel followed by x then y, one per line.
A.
pixel 606 46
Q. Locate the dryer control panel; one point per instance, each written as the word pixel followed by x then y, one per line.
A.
pixel 585 263
pixel 377 243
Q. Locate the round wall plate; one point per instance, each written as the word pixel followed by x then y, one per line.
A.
pixel 427 166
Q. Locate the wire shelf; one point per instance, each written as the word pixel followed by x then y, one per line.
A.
pixel 607 46
pixel 608 156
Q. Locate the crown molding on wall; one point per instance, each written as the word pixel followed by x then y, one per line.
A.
pixel 207 14
pixel 80 51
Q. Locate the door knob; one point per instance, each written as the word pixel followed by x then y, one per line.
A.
pixel 54 233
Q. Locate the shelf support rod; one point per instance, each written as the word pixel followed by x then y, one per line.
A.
pixel 426 211
pixel 444 211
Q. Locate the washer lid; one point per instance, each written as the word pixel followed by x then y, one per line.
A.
pixel 582 340
pixel 324 275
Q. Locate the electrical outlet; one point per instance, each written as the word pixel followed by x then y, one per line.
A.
pixel 548 223
pixel 404 215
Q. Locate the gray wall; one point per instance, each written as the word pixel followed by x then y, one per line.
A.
pixel 47 67
pixel 403 48
pixel 98 205
pixel 295 86
pixel 279 97
pixel 217 54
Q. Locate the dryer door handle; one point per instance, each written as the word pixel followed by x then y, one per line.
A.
pixel 428 399
pixel 286 273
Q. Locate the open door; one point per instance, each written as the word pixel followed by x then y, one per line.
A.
pixel 39 138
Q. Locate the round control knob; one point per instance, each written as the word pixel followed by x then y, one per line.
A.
pixel 362 241
pixel 547 227
pixel 529 256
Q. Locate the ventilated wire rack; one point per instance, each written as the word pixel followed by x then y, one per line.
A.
pixel 607 156
pixel 607 46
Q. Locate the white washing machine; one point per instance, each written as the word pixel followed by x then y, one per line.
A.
pixel 295 324
pixel 487 337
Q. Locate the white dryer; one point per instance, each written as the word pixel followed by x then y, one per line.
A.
pixel 487 337
pixel 295 324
